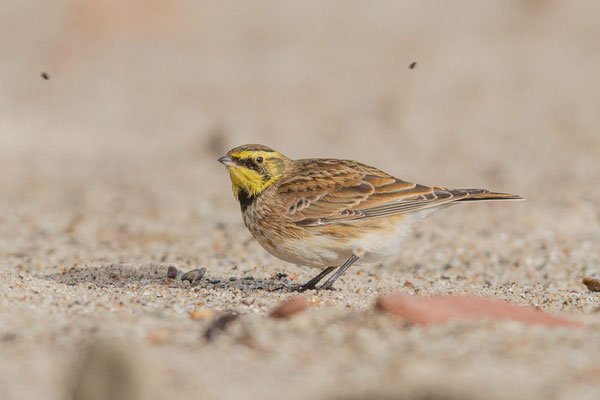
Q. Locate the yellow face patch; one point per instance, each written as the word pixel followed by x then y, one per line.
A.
pixel 246 179
pixel 255 170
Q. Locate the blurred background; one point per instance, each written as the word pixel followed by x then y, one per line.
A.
pixel 113 113
pixel 146 94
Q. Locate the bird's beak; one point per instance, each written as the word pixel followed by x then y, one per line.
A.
pixel 228 161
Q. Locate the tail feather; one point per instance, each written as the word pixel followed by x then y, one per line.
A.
pixel 482 194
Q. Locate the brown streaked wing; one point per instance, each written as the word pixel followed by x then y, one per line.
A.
pixel 323 188
pixel 338 191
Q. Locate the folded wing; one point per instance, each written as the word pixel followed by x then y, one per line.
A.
pixel 325 191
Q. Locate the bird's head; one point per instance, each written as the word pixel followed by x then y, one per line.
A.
pixel 253 168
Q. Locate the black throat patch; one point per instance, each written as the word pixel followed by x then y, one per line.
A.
pixel 245 199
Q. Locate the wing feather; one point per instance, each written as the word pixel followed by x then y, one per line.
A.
pixel 326 191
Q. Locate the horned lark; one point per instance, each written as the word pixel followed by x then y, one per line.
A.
pixel 329 213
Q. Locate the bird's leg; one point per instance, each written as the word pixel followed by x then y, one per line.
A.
pixel 329 282
pixel 313 282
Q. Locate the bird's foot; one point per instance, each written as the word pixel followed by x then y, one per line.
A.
pixel 304 287
pixel 325 286
pixel 312 284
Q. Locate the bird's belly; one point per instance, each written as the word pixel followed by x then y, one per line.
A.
pixel 332 246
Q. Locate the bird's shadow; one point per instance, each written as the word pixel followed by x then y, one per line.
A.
pixel 129 276
pixel 111 275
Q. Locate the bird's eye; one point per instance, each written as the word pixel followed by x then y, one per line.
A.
pixel 259 159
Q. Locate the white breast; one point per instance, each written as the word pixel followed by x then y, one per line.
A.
pixel 327 250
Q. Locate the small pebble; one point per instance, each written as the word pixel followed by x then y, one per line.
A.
pixel 194 275
pixel 158 337
pixel 233 279
pixel 9 337
pixel 290 306
pixel 592 283
pixel 213 281
pixel 248 278
pixel 172 272
pixel 198 315
pixel 249 301
pixel 409 284
pixel 219 325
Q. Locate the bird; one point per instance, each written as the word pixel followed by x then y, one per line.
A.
pixel 329 213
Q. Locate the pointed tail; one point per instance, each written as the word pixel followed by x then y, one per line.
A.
pixel 482 194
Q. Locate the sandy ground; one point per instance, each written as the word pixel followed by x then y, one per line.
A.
pixel 108 175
